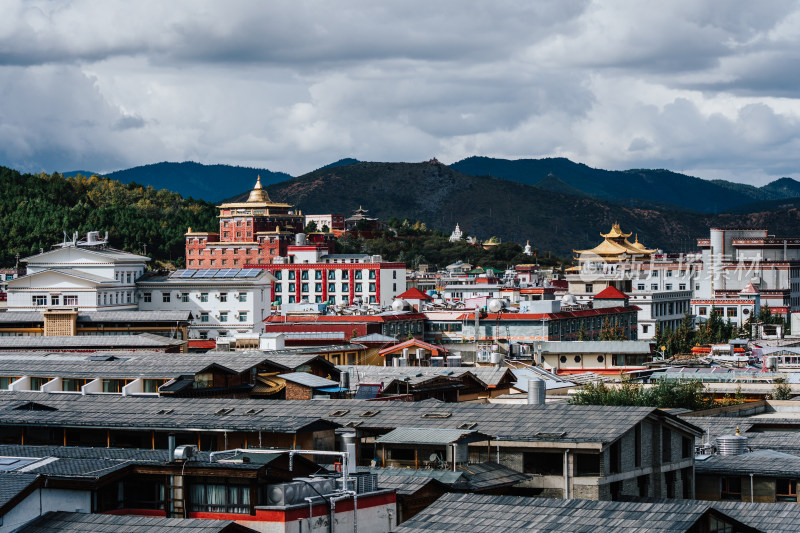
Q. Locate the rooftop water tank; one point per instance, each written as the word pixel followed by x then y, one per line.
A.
pixel 731 444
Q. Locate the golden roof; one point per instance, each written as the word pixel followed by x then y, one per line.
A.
pixel 616 246
pixel 641 247
pixel 615 232
pixel 258 194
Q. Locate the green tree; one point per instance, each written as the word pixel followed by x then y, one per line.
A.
pixel 311 227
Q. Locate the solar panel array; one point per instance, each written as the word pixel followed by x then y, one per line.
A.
pixel 217 273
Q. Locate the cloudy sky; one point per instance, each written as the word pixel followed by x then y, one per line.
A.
pixel 707 88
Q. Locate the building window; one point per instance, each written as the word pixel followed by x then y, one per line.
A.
pixel 278 287
pixel 682 286
pixel 654 286
pixel 669 273
pixel 223 316
pixel 204 316
pixel 668 286
pixel 304 275
pixel 345 274
pixel 277 274
pixel 731 488
pixel 331 274
pixel 331 287
pixel 203 335
pixel 291 299
pixel 645 328
pixel 345 287
pixel 318 274
pixel 587 464
pixel 785 490
pixel 242 296
pixel 318 299
pixel 358 287
pixel 55 299
pixel 357 274
pixel 203 296
pixel 165 297
pixel 291 274
pixel 223 297
pixel 292 287
pixel 243 316
pixel 666 446
pixel 589 287
pixel 640 287
pixel 731 312
pixel 654 273
pixel 371 287
pixel 318 287
pixel 394 274
pixel 304 287
pixel 71 299
pixel 371 274
pixel 147 297
pixel 702 311
pixel 38 299
pixel 543 463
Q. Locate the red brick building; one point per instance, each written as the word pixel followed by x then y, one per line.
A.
pixel 252 232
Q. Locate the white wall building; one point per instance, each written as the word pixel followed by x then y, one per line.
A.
pixel 222 301
pixel 86 275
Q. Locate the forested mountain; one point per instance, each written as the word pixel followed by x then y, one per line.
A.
pixel 642 185
pixel 36 210
pixel 208 182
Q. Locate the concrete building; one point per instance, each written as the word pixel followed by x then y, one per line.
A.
pixel 734 259
pixel 222 301
pixel 311 274
pixel 84 275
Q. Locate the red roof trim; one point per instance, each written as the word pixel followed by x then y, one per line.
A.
pixel 347 319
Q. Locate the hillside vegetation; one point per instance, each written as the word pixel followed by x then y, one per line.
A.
pixel 36 210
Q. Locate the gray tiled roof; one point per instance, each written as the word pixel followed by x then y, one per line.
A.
pixel 12 483
pixel 433 436
pixel 768 463
pixel 375 374
pixel 143 340
pixel 136 364
pixel 479 513
pixel 472 477
pixel 64 522
pixel 403 485
pixel 13 317
pixel 76 410
pixel 308 380
pixel 561 423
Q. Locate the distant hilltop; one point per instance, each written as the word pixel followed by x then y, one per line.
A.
pixel 640 187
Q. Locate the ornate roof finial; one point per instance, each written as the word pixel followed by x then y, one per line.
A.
pixel 258 182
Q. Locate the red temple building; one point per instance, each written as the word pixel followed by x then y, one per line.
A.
pixel 254 232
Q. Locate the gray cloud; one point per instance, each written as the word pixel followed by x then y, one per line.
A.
pixel 293 85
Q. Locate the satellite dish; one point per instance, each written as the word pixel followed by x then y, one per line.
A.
pixel 434 457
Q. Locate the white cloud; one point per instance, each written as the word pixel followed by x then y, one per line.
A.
pixel 294 85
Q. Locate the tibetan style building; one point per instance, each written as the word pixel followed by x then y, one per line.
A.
pixel 615 248
pixel 255 231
